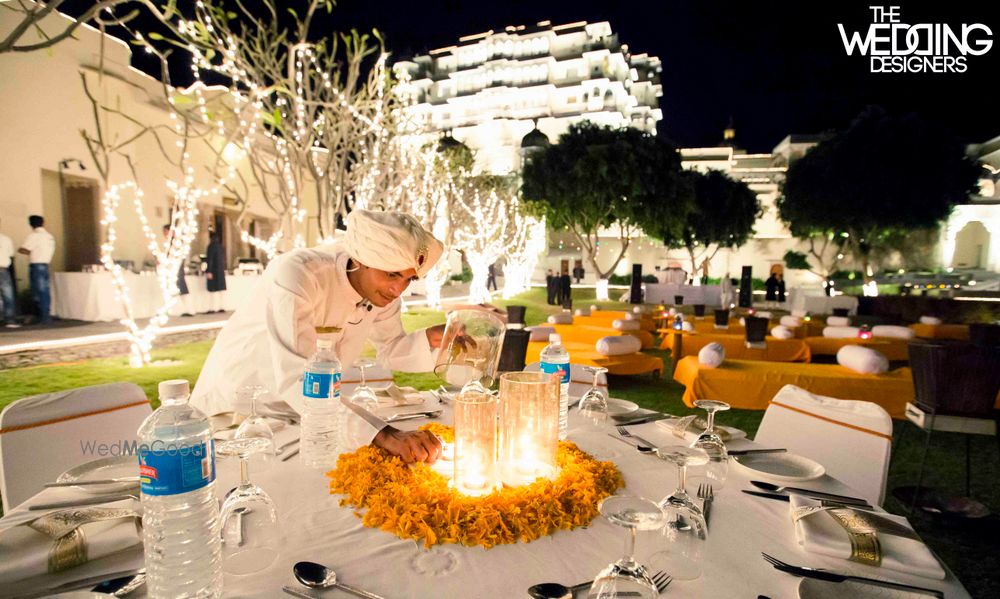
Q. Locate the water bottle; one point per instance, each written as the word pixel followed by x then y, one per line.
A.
pixel 180 521
pixel 554 358
pixel 324 415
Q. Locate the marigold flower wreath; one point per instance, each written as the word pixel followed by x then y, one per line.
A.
pixel 415 502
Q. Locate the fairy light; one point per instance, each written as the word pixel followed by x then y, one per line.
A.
pixel 169 255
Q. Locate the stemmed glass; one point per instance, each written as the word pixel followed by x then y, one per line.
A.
pixel 717 467
pixel 681 546
pixel 627 577
pixel 248 521
pixel 254 425
pixel 594 405
pixel 364 395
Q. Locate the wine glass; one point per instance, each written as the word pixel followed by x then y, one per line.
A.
pixel 594 405
pixel 248 521
pixel 364 396
pixel 717 467
pixel 627 577
pixel 254 425
pixel 680 546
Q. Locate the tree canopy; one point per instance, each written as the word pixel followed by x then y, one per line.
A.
pixel 883 176
pixel 597 177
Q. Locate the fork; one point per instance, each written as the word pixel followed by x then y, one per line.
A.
pixel 627 433
pixel 804 571
pixel 662 580
pixel 707 495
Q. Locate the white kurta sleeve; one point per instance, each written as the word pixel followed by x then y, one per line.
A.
pixel 396 349
pixel 291 335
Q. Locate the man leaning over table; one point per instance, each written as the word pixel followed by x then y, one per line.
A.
pixel 39 246
pixel 352 287
pixel 7 300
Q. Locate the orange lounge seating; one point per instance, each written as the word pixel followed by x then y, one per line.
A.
pixel 777 350
pixel 751 385
pixel 585 354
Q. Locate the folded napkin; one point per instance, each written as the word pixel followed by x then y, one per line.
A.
pixel 398 396
pixel 819 531
pixel 64 539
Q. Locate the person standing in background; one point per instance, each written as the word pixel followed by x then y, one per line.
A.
pixel 578 273
pixel 182 287
pixel 491 277
pixel 781 288
pixel 39 246
pixel 215 259
pixel 565 290
pixel 771 287
pixel 551 287
pixel 7 298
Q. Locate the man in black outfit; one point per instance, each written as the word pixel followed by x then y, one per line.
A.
pixel 578 273
pixel 551 287
pixel 491 278
pixel 565 286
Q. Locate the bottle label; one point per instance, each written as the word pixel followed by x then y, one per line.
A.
pixel 549 368
pixel 169 469
pixel 321 386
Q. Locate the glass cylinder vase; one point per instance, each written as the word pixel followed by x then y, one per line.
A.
pixel 529 426
pixel 475 443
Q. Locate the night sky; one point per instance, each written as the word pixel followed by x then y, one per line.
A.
pixel 774 67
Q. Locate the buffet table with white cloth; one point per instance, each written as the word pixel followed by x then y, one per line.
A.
pixel 316 528
pixel 660 293
pixel 814 301
pixel 91 296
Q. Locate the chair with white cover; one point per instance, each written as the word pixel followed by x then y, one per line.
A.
pixel 44 435
pixel 851 439
pixel 580 381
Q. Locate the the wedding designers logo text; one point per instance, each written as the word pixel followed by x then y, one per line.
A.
pixel 896 47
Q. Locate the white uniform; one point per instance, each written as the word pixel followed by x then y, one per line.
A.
pixel 269 338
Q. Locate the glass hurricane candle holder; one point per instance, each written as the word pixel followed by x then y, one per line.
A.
pixel 470 349
pixel 475 443
pixel 529 426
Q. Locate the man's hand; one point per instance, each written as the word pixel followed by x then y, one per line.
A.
pixel 412 446
pixel 434 335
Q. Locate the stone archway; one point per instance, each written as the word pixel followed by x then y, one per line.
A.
pixel 972 246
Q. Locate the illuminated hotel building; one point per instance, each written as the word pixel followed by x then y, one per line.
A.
pixel 491 89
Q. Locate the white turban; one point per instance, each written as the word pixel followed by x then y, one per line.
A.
pixel 391 241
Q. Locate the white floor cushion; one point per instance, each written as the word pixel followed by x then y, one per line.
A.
pixel 864 360
pixel 840 332
pixel 782 332
pixel 617 345
pixel 893 331
pixel 712 355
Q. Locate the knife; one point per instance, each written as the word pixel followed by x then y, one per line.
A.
pixel 755 451
pixel 296 593
pixel 777 496
pixel 105 481
pixel 810 493
pixel 83 583
pixel 80 502
pixel 643 419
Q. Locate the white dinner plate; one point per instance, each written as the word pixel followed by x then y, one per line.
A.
pixel 79 595
pixel 811 588
pixel 620 407
pixel 788 467
pixel 110 467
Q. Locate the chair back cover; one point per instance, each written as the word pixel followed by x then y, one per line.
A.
pixel 851 439
pixel 756 329
pixel 955 379
pixel 42 436
pixel 580 381
pixel 514 350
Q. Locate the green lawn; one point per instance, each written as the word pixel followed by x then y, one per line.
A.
pixel 968 547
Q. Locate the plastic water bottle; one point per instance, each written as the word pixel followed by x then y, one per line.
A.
pixel 180 521
pixel 324 414
pixel 554 358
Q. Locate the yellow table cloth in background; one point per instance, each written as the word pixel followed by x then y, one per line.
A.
pixel 592 333
pixel 585 354
pixel 959 332
pixel 751 385
pixel 895 350
pixel 777 350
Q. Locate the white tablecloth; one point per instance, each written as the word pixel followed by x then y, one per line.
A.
pixel 815 302
pixel 316 528
pixel 658 293
pixel 91 296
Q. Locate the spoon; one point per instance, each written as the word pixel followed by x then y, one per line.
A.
pixel 318 576
pixel 554 590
